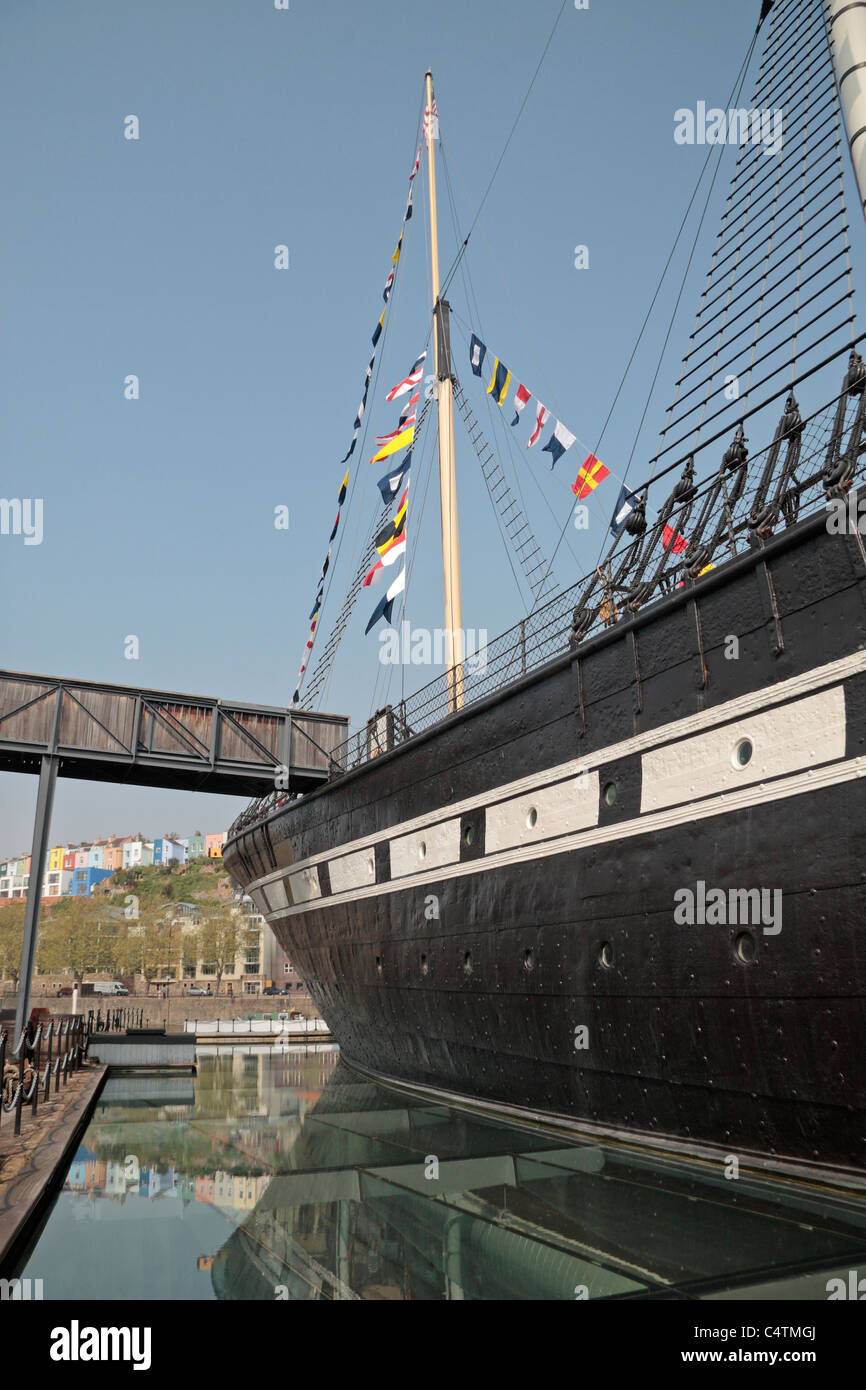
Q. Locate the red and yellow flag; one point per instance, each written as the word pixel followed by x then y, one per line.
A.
pixel 591 472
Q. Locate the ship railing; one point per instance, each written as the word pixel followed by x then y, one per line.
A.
pixel 551 629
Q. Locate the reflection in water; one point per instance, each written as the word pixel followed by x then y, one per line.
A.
pixel 281 1173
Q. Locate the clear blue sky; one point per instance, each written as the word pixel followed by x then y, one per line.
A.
pixel 155 257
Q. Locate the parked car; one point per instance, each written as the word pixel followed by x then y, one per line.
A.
pixel 64 992
pixel 274 989
pixel 198 989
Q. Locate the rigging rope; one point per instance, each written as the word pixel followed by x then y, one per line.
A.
pixel 736 88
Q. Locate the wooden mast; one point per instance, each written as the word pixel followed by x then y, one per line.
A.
pixel 447 472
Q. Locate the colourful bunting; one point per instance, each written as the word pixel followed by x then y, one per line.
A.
pixel 368 376
pixel 541 419
pixel 393 528
pixel 391 481
pixel 431 123
pixel 385 607
pixel 499 382
pixel 400 441
pixel 408 381
pixel 520 400
pixel 320 591
pixel 622 511
pixel 559 441
pixel 390 557
pixel 477 351
pixel 377 332
pixel 673 542
pixel 391 545
pixel 591 472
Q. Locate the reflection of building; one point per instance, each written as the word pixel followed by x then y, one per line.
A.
pixel 162 1184
pixel 115 1177
pixel 283 972
pixel 223 1189
pixel 94 1173
pixel 75 1180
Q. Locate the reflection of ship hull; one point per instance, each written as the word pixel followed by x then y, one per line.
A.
pixel 463 906
pixel 513 1214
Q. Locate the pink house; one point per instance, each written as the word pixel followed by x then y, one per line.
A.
pixel 112 854
pixel 213 845
pixel 204 1188
pixel 82 857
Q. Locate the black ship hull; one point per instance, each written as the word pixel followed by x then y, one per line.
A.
pixel 548 900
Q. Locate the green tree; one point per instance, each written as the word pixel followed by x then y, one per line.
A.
pixel 154 942
pixel 221 936
pixel 11 936
pixel 71 938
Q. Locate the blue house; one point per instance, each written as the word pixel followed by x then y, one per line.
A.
pixel 83 880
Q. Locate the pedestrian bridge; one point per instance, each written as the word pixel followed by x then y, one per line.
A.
pixel 148 738
pixel 151 738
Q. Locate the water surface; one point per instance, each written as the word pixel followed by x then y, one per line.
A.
pixel 281 1173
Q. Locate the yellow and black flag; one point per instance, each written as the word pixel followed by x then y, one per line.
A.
pixel 499 382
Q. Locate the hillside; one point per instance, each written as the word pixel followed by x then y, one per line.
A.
pixel 202 880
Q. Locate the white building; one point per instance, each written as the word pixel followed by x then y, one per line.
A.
pixel 137 852
pixel 55 882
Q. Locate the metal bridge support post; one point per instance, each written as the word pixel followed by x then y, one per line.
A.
pixel 39 852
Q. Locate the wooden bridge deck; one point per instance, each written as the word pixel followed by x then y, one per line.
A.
pixel 115 733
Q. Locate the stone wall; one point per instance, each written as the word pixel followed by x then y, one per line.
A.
pixel 177 1007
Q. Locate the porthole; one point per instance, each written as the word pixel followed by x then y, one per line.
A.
pixel 379 964
pixel 424 966
pixel 422 850
pixel 467 963
pixel 371 864
pixel 745 947
pixel 528 959
pixel 743 752
pixel 605 955
pixel 609 794
pixel 469 834
pixel 532 818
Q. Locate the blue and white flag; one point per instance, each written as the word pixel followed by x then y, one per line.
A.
pixel 385 607
pixel 622 512
pixel 559 441
pixel 477 351
pixel 392 482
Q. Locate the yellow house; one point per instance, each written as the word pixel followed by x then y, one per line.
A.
pixel 55 858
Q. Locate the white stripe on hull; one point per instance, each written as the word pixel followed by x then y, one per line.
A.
pixel 666 744
pixel 727 803
pixel 802 734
